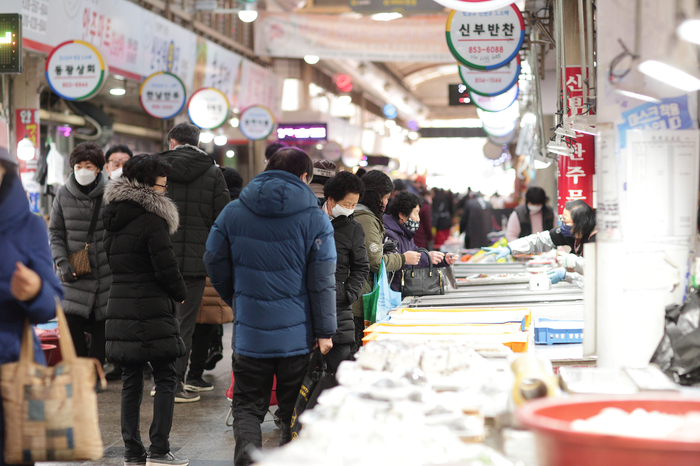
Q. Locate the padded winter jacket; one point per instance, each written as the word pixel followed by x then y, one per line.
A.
pixel 198 188
pixel 350 274
pixel 272 250
pixel 374 242
pixel 71 215
pixel 23 239
pixel 142 321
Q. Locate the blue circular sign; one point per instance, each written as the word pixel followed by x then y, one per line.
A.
pixel 390 111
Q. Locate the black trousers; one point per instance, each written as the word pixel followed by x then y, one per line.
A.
pixel 201 341
pixel 187 317
pixel 165 378
pixel 251 398
pixel 338 354
pixel 79 326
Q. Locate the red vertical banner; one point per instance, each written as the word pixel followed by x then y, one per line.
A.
pixel 27 125
pixel 575 172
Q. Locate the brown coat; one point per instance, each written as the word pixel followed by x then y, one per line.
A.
pixel 213 309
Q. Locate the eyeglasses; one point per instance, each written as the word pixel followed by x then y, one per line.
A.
pixel 161 186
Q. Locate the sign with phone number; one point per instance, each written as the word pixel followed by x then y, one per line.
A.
pixel 486 40
pixel 75 70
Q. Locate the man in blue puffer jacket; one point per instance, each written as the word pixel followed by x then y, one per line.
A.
pixel 273 251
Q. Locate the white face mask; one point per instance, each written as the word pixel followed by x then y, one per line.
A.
pixel 534 208
pixel 116 173
pixel 85 176
pixel 339 210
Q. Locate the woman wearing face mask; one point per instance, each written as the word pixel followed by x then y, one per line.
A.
pixel 402 222
pixel 142 325
pixel 369 212
pixel 342 194
pixel 578 227
pixel 532 217
pixel 85 301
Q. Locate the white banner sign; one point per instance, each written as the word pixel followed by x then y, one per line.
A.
pixel 416 38
pixel 262 87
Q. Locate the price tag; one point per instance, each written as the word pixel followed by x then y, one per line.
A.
pixel 162 95
pixel 486 40
pixel 75 70
pixel 208 108
pixel 492 82
pixel 256 122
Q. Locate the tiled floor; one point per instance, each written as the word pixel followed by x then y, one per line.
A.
pixel 198 433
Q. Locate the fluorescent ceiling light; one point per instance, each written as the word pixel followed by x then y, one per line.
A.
pixel 689 30
pixel 220 140
pixel 230 154
pixel 234 122
pixel 311 59
pixel 386 16
pixel 413 135
pixel 117 91
pixel 637 92
pixel 345 100
pixel 390 124
pixel 675 76
pixel 206 137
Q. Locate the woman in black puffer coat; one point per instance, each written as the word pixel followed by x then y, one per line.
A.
pixel 142 321
pixel 342 193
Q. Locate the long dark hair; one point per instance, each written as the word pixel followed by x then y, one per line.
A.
pixel 583 217
pixel 377 185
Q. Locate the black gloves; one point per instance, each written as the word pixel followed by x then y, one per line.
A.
pixel 66 272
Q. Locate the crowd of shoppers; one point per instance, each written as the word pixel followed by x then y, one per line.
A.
pixel 177 247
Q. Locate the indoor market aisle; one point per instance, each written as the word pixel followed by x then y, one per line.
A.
pixel 199 432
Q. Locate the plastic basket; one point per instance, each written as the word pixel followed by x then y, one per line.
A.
pixel 552 331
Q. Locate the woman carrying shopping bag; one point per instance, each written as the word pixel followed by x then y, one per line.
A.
pixel 76 245
pixel 378 188
pixel 142 323
pixel 28 286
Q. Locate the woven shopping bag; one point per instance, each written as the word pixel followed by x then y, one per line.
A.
pixel 51 412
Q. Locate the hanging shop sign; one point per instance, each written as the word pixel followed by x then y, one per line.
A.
pixel 256 122
pixel 75 70
pixel 27 126
pixel 502 140
pixel 474 5
pixel 493 82
pixel 485 40
pixel 575 172
pixel 497 103
pixel 332 151
pixel 162 95
pixel 208 108
pixel 500 131
pixel 311 132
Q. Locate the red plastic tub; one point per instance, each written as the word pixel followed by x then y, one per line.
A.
pixel 558 445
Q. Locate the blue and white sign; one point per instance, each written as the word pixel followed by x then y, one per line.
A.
pixel 671 113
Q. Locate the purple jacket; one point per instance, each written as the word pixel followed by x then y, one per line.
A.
pixel 404 242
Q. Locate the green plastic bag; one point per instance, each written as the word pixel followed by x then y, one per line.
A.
pixel 381 300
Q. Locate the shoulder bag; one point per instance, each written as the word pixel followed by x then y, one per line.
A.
pixel 51 412
pixel 81 260
pixel 422 281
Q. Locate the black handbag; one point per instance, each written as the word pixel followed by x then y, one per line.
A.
pixel 422 281
pixel 315 381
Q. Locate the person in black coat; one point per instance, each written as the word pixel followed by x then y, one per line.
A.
pixel 342 194
pixel 142 323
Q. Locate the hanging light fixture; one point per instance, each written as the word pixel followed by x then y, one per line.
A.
pixel 25 149
pixel 689 30
pixel 248 14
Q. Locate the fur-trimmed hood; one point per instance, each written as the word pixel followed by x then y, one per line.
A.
pixel 123 189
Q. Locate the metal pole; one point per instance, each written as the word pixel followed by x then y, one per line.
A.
pixel 591 60
pixel 562 61
pixel 251 160
pixel 582 45
pixel 558 44
pixel 535 66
